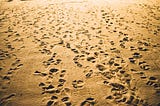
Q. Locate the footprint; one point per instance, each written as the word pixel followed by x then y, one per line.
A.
pixel 116 64
pixel 111 61
pixel 4 99
pixel 9 0
pixel 132 60
pixel 50 102
pixel 53 70
pixel 65 99
pixel 152 78
pixel 62 74
pixel 89 74
pixel 126 39
pixel 88 102
pixel 130 100
pixel 68 45
pixel 115 50
pixel 153 82
pixel 112 42
pixel 75 51
pixel 143 65
pixel 142 49
pixel 68 104
pixel 41 84
pixel 45 51
pixel 78 83
pixel 117 86
pixel 109 97
pixel 135 101
pixel 49 61
pixel 90 58
pixel 58 61
pixel 122 45
pixel 100 67
pixel 6 78
pixel 100 42
pixel 54 97
pixel 62 81
pixel 39 73
pixel 79 65
pixel 137 55
pixel 49 89
pixel 107 75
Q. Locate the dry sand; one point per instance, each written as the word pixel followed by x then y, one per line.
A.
pixel 80 53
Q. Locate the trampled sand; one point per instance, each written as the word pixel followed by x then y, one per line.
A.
pixel 80 53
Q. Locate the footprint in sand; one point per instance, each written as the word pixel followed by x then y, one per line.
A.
pixel 142 49
pixel 133 100
pixel 61 82
pixel 16 65
pixel 137 55
pixel 100 67
pixel 51 60
pixel 66 101
pixel 3 100
pixel 88 102
pixel 53 70
pixel 143 65
pixel 132 60
pixel 153 81
pixel 4 55
pixel 62 74
pixel 91 59
pixel 50 89
pixel 37 73
pixel 88 75
pixel 53 100
pixel 78 83
pixel 50 103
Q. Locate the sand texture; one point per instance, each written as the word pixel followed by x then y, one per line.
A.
pixel 79 53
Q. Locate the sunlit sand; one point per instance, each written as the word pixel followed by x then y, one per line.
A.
pixel 79 53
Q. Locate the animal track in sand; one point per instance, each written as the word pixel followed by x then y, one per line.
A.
pixel 89 74
pixel 153 81
pixel 16 65
pixel 100 67
pixel 89 101
pixel 132 60
pixel 40 73
pixel 77 83
pixel 6 98
pixel 62 74
pixel 93 42
pixel 66 101
pixel 137 55
pixel 4 55
pixel 143 65
pixel 52 60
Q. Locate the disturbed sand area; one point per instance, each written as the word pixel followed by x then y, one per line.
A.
pixel 80 53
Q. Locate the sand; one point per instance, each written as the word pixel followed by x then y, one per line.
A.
pixel 79 53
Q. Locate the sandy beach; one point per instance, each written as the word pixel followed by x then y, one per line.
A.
pixel 79 53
